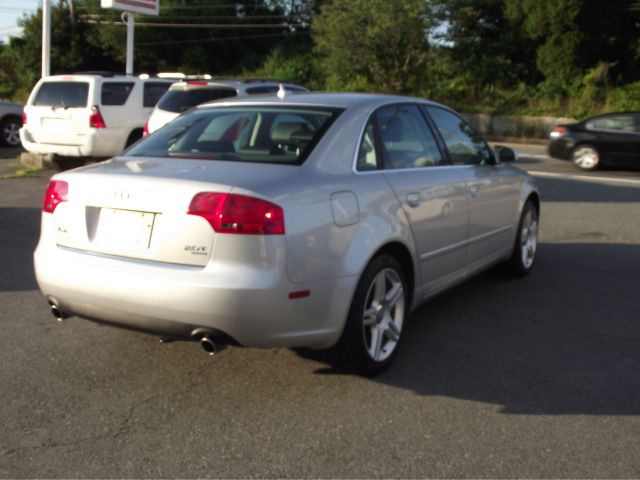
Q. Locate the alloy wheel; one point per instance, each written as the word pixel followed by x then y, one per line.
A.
pixel 529 238
pixel 383 314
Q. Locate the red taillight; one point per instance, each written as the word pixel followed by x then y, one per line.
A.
pixel 95 119
pixel 195 82
pixel 557 132
pixel 145 130
pixel 234 213
pixel 24 118
pixel 56 193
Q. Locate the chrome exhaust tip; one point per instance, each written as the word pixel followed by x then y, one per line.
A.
pixel 57 313
pixel 208 345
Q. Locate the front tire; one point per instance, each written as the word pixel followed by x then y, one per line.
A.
pixel 374 327
pixel 586 157
pixel 524 250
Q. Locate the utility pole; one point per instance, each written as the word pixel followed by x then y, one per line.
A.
pixel 46 38
pixel 130 30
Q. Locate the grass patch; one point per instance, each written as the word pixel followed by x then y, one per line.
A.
pixel 21 171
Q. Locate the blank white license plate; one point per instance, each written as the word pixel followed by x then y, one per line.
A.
pixel 56 123
pixel 124 229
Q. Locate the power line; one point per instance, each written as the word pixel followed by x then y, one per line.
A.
pixel 194 17
pixel 222 39
pixel 200 25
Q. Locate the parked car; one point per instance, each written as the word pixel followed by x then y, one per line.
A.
pixel 184 95
pixel 612 139
pixel 309 221
pixel 10 123
pixel 88 115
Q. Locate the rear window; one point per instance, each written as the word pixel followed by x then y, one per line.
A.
pixel 268 134
pixel 63 94
pixel 273 89
pixel 153 92
pixel 178 101
pixel 263 89
pixel 115 93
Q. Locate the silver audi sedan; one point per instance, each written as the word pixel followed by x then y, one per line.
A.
pixel 315 220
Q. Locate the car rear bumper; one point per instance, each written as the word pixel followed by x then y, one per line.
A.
pixel 251 307
pixel 98 143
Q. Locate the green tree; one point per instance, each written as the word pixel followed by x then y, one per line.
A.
pixel 376 44
pixel 553 24
pixel 481 47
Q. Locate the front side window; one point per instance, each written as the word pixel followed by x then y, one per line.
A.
pixel 245 134
pixel 115 93
pixel 617 123
pixel 62 94
pixel 465 146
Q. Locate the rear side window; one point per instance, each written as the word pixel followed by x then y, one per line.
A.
pixel 153 92
pixel 406 138
pixel 62 94
pixel 178 101
pixel 115 93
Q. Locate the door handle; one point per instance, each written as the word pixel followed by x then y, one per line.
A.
pixel 413 199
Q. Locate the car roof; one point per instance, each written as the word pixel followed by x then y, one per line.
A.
pixel 320 99
pixel 105 76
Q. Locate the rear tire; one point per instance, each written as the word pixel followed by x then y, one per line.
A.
pixel 133 137
pixel 10 131
pixel 373 330
pixel 524 250
pixel 586 157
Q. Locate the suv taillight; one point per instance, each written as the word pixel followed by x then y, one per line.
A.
pixel 24 118
pixel 145 130
pixel 56 193
pixel 95 119
pixel 240 214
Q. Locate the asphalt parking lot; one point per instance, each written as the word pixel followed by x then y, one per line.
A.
pixel 497 378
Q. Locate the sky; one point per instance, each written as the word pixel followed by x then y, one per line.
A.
pixel 10 12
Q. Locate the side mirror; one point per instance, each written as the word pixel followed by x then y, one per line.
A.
pixel 505 154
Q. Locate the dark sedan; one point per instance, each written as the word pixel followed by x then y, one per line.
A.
pixel 610 139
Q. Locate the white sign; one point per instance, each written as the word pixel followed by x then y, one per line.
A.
pixel 148 7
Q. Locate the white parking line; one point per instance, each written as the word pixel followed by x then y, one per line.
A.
pixel 568 176
pixel 533 155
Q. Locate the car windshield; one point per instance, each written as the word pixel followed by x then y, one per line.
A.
pixel 178 101
pixel 269 134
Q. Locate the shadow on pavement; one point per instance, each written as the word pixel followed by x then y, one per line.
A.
pixel 564 340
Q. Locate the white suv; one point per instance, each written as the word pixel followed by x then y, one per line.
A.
pixel 182 96
pixel 88 115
